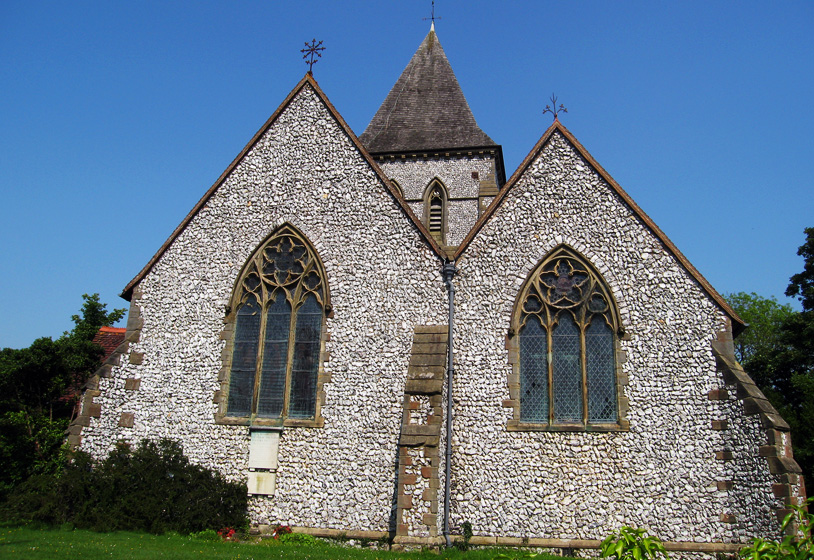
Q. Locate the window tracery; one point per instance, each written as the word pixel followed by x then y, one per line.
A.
pixel 279 309
pixel 566 326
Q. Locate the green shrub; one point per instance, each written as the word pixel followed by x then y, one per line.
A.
pixel 298 538
pixel 632 544
pixel 798 546
pixel 208 535
pixel 516 556
pixel 153 488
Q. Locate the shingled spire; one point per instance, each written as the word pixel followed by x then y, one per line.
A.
pixel 426 109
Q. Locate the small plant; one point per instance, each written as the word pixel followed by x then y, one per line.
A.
pixel 280 530
pixel 227 533
pixel 208 535
pixel 794 546
pixel 466 533
pixel 632 544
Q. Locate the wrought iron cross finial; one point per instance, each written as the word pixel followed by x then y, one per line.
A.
pixel 556 110
pixel 311 51
pixel 432 16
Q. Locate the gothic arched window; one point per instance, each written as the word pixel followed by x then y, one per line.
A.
pixel 279 309
pixel 566 325
pixel 435 210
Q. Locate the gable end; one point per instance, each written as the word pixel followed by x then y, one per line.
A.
pixel 307 80
pixel 738 324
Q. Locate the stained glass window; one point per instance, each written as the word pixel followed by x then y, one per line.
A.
pixel 567 345
pixel 280 307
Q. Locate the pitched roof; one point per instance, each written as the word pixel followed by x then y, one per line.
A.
pixel 737 323
pixel 308 80
pixel 109 339
pixel 425 110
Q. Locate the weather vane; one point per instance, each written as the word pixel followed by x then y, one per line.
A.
pixel 313 49
pixel 556 110
pixel 432 15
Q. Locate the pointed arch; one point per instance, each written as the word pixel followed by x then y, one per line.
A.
pixel 436 197
pixel 277 316
pixel 397 187
pixel 565 337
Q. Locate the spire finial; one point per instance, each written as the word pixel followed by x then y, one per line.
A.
pixel 556 110
pixel 432 17
pixel 311 50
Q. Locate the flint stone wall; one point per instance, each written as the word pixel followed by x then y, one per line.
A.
pixel 662 473
pixel 414 176
pixel 304 171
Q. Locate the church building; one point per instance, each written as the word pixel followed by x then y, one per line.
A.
pixel 385 336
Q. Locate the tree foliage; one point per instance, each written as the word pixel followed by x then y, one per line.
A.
pixel 39 386
pixel 765 316
pixel 780 354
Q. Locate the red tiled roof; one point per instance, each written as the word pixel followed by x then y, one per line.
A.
pixel 109 339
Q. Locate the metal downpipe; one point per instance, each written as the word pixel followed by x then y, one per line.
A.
pixel 449 271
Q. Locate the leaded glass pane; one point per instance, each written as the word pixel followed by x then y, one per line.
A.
pixel 275 352
pixel 533 372
pixel 275 358
pixel 306 359
pixel 600 368
pixel 566 370
pixel 244 359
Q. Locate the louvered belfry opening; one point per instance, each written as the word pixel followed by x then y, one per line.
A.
pixel 435 221
pixel 435 210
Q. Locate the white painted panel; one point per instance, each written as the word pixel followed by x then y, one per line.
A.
pixel 262 482
pixel 263 449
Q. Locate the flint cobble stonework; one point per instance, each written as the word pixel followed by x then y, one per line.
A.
pixel 686 462
pixel 662 473
pixel 306 172
pixel 414 176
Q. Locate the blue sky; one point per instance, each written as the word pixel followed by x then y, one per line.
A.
pixel 116 117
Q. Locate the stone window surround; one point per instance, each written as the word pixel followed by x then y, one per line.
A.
pixel 221 397
pixel 436 183
pixel 513 347
pixel 397 187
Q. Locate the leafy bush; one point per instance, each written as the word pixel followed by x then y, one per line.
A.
pixel 797 546
pixel 39 390
pixel 153 488
pixel 632 544
pixel 209 535
pixel 298 538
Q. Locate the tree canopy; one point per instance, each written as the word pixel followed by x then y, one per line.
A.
pixel 39 387
pixel 779 353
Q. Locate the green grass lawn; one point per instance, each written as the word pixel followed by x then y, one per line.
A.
pixel 25 543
